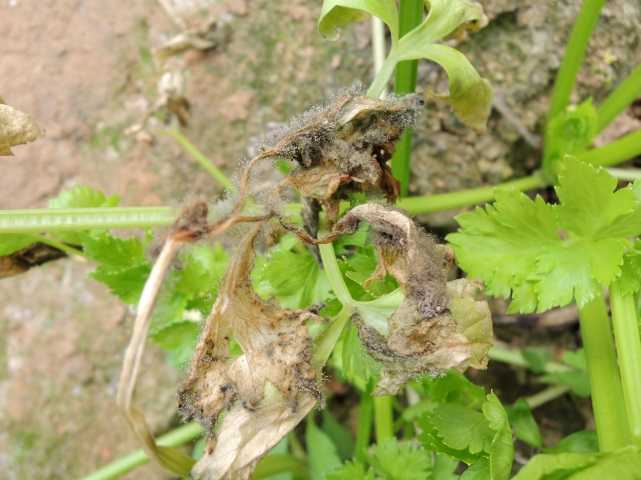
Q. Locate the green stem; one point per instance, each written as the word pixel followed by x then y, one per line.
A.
pixel 626 93
pixel 410 15
pixel 334 275
pixel 383 418
pixel 574 55
pixel 544 396
pixel 628 342
pixel 625 173
pixel 53 220
pixel 379 84
pixel 622 149
pixel 204 162
pixel 465 198
pixel 605 383
pixel 175 438
pixel 364 426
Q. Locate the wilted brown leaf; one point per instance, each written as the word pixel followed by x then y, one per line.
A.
pixel 439 325
pixel 345 147
pixel 16 128
pixel 266 390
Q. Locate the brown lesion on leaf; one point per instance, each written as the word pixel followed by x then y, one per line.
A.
pixel 28 258
pixel 439 325
pixel 273 371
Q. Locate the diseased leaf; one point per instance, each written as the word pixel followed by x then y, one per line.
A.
pixel 16 128
pixel 265 391
pixel 335 14
pixel 427 326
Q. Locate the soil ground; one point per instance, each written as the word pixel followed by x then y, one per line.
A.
pixel 85 72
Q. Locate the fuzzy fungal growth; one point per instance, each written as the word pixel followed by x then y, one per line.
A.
pixel 346 147
pixel 439 325
pixel 263 392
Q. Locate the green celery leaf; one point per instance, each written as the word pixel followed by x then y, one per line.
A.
pixel 462 428
pixel 179 340
pixel 523 423
pixel 83 197
pixel 126 282
pixel 624 464
pixel 630 279
pixel 577 378
pixel 545 256
pixel 469 95
pixel 537 358
pixel 444 467
pixel 335 14
pixel 353 470
pixel 568 133
pixel 501 243
pixel 292 275
pixel 359 267
pixel 394 460
pixel 583 441
pixel 12 242
pixel 321 452
pixel 104 248
pixel 352 361
pixel 122 265
pixel 501 451
pixel 340 436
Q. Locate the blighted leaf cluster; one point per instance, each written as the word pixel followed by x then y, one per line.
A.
pixel 436 325
pixel 543 255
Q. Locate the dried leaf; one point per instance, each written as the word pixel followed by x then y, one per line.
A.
pixel 267 390
pixel 346 146
pixel 16 128
pixel 437 326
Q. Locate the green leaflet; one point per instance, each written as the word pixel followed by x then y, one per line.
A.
pixel 623 465
pixel 568 133
pixel 544 255
pixel 523 424
pixel 12 242
pixel 321 451
pixel 338 13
